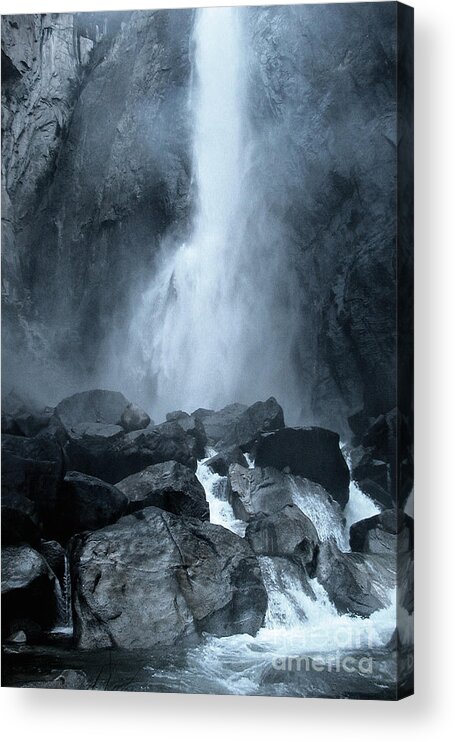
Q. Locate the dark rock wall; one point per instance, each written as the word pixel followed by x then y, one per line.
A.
pixel 106 183
pixel 112 178
pixel 324 107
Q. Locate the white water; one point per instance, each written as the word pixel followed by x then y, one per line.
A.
pixel 298 619
pixel 216 323
pixel 63 599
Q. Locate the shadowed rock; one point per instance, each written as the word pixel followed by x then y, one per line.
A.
pixel 193 427
pixel 170 486
pixel 20 521
pixel 221 462
pixel 389 532
pixel 85 504
pixel 28 589
pixel 356 583
pixel 283 533
pixel 261 417
pixel 218 424
pixel 107 452
pixel 33 468
pixel 314 453
pixel 157 579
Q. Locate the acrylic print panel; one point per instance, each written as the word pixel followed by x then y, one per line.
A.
pixel 207 350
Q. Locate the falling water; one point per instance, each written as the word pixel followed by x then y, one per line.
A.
pixel 63 599
pixel 214 325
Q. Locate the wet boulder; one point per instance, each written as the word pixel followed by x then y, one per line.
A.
pixel 107 452
pixel 261 417
pixel 66 680
pixel 33 468
pixel 157 579
pixel 217 425
pixel 357 584
pixel 170 486
pixel 20 521
pixel 389 532
pixel 283 533
pixel 85 504
pixel 259 490
pixel 220 463
pixel 133 418
pixel 94 406
pixel 28 589
pixel 54 554
pixel 373 477
pixel 313 453
pixel 194 429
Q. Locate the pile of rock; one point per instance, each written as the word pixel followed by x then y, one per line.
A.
pixel 96 482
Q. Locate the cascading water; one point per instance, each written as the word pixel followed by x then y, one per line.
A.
pixel 63 599
pixel 215 325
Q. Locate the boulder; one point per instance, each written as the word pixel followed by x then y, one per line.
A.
pixel 389 532
pixel 217 425
pixel 30 424
pixel 94 406
pixel 384 471
pixel 20 521
pixel 55 556
pixel 314 453
pixel 107 452
pixel 85 504
pixel 133 418
pixel 169 486
pixel 358 584
pixel 33 468
pixel 220 463
pixel 261 417
pixel 28 589
pixel 18 637
pixel 373 477
pixel 283 533
pixel 157 579
pixel 194 429
pixel 66 680
pixel 258 490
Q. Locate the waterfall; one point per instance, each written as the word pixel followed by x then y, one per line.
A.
pixel 63 600
pixel 214 326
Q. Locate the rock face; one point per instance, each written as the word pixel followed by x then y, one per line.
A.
pixel 86 504
pixel 356 583
pixel 20 521
pixel 28 589
pixel 314 453
pixel 134 194
pixel 170 486
pixel 332 170
pixel 261 417
pixel 257 491
pixel 389 532
pixel 33 468
pixel 156 579
pixel 283 533
pixel 107 452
